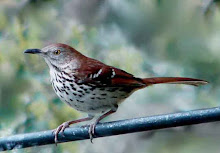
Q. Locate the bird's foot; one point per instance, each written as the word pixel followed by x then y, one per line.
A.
pixel 60 129
pixel 92 131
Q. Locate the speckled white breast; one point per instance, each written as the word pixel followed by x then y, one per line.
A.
pixel 86 97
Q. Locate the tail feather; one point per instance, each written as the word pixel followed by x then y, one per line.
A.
pixel 174 80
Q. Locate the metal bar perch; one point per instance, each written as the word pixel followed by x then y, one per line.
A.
pixel 113 128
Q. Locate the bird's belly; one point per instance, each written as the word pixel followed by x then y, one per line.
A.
pixel 90 99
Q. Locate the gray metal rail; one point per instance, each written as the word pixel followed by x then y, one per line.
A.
pixel 113 128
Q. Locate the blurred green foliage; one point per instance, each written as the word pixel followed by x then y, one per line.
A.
pixel 144 37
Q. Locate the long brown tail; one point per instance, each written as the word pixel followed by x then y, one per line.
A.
pixel 174 80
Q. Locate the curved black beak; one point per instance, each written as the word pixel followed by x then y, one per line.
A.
pixel 33 51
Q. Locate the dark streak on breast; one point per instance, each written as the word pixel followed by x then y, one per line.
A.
pixel 75 94
pixel 72 86
pixel 79 101
pixel 67 102
pixel 59 89
pixel 99 98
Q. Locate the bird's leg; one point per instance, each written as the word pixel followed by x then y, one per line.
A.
pixel 92 126
pixel 64 125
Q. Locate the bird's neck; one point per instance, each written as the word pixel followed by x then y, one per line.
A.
pixel 69 67
pixel 61 73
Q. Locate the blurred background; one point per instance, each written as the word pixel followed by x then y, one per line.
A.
pixel 144 37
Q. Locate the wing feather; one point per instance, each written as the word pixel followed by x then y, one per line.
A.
pixel 95 72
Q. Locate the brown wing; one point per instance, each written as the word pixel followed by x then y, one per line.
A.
pixel 95 72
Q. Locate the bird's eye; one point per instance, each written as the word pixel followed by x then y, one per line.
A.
pixel 57 52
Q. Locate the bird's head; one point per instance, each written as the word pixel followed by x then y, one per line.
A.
pixel 58 55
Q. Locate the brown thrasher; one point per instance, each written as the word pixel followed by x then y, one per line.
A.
pixel 92 87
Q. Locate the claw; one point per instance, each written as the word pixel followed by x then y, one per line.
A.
pixel 56 136
pixel 92 132
pixel 65 125
pixel 55 140
pixel 59 129
pixel 92 126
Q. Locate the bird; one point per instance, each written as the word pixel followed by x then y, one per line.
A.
pixel 92 87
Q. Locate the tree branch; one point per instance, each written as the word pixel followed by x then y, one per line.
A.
pixel 113 128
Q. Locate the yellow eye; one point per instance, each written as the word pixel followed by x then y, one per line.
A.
pixel 57 52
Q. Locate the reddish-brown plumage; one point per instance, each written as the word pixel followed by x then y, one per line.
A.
pixel 91 86
pixel 91 66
